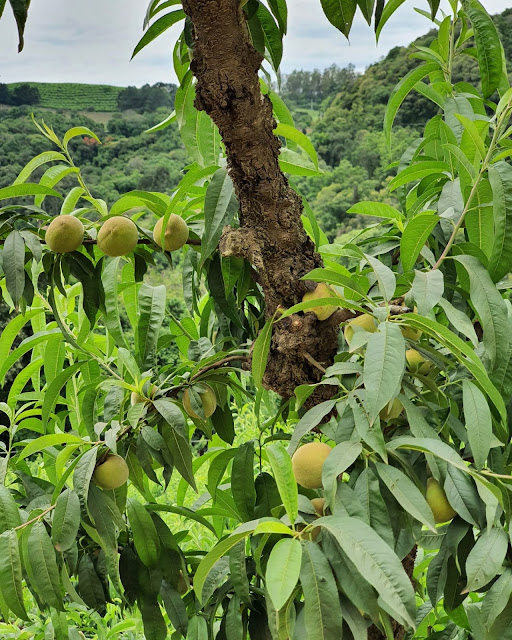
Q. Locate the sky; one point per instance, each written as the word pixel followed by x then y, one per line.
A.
pixel 92 42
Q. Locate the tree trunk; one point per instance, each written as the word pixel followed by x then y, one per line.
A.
pixel 271 235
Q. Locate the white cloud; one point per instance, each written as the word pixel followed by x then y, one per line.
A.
pixel 76 41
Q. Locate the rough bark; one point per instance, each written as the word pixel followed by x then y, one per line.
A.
pixel 271 235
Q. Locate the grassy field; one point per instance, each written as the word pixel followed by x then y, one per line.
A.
pixel 74 96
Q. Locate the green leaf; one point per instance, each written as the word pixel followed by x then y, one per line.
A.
pixel 280 11
pixel 20 11
pixel 260 352
pixel 207 563
pixel 340 13
pixel 491 310
pixel 478 422
pixel 406 494
pixel 281 464
pixel 385 277
pixel 338 461
pixel 414 237
pixel 283 568
pixel 427 290
pixel 152 302
pixel 177 441
pixel 366 7
pixel 242 480
pixel 78 131
pixel 152 618
pixel 368 491
pixel 183 512
pixel 401 91
pixel 299 138
pixel 197 628
pixel 26 345
pixel 459 320
pixel 157 28
pixel 496 599
pixel 500 177
pixel 488 46
pixel 44 575
pixel 110 279
pixel 430 445
pixel 234 623
pixel 27 189
pixel 106 516
pixel 66 520
pixel 175 607
pixel 42 158
pixel 479 221
pixel 463 496
pixel 384 366
pixel 145 536
pixel 238 572
pixel 220 206
pixel 52 393
pixel 322 612
pixel 89 584
pixel 9 513
pixel 296 163
pixel 82 475
pixel 486 558
pixel 418 171
pixel 377 209
pixel 369 433
pixel 14 265
pixel 10 574
pixel 384 14
pixel 376 562
pixel 271 35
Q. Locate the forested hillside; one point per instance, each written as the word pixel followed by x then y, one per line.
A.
pixel 342 109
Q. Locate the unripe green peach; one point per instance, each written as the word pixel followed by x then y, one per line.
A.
pixel 319 504
pixel 64 234
pixel 117 236
pixel 176 233
pixel 112 473
pixel 392 410
pixel 417 363
pixel 208 399
pixel 411 334
pixel 438 502
pixel 365 321
pixel 322 290
pixel 307 463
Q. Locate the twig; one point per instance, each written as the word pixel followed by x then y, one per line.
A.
pixel 41 515
pixel 314 362
pixel 216 365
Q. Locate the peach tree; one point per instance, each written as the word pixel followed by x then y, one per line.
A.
pixel 373 497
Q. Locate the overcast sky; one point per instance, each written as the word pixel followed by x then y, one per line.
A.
pixel 77 41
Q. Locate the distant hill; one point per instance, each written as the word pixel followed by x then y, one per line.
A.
pixel 75 96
